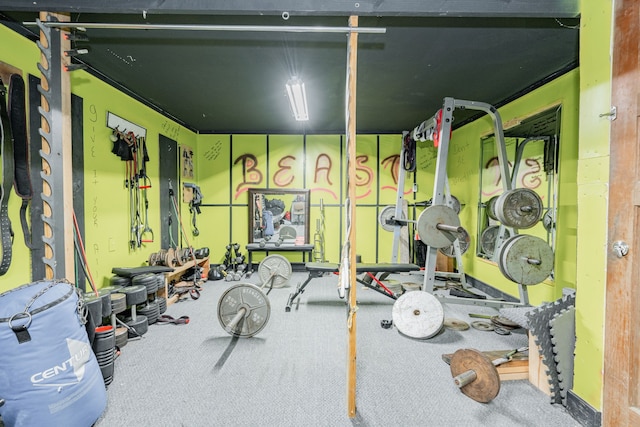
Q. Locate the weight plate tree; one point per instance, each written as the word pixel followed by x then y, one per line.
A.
pixel 526 260
pixel 274 271
pixel 519 208
pixel 243 310
pixel 418 315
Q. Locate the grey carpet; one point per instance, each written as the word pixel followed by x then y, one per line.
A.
pixel 293 373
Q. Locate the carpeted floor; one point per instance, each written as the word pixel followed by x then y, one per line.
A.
pixel 293 373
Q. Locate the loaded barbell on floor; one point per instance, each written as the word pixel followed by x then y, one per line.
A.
pixel 243 310
pixel 476 375
pixel 274 271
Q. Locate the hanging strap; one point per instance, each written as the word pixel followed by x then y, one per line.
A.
pixel 6 180
pixel 22 179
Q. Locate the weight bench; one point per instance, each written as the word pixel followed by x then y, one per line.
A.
pixel 318 269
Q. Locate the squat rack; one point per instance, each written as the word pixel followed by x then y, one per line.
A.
pixel 438 129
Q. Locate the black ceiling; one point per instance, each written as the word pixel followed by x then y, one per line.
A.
pixel 223 81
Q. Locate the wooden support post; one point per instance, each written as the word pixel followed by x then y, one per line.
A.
pixel 352 62
pixel 58 184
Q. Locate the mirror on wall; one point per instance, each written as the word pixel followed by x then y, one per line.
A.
pixel 279 215
pixel 532 152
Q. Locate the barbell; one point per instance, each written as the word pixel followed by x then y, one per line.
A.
pixel 476 375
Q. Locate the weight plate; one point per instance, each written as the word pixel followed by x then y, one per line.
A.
pixel 486 385
pixel 488 239
pixel 122 336
pixel 94 305
pixel 135 294
pixel 151 311
pixel 547 221
pixel 170 258
pixel 491 208
pixel 503 249
pixel 118 302
pixel 388 213
pixel 455 204
pixel 112 289
pixel 253 300
pixel 503 322
pixel 418 315
pixel 527 260
pixel 455 324
pixel 410 286
pixel 394 286
pixel 140 326
pixel 427 226
pixel 143 279
pixel 481 325
pixel 181 255
pixel 105 295
pixel 519 208
pixel 287 232
pixel 464 240
pixel 274 271
pixel 118 281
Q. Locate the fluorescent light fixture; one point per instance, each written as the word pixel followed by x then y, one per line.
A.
pixel 297 99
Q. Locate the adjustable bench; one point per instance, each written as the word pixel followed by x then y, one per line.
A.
pixel 318 269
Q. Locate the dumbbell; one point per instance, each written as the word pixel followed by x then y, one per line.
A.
pixel 476 375
pixel 280 240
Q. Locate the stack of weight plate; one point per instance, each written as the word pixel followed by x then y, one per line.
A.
pixel 136 294
pixel 93 303
pixel 151 310
pixel 104 346
pixel 118 305
pixel 162 301
pixel 149 280
pixel 120 281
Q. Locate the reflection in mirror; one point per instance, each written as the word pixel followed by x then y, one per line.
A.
pixel 532 148
pixel 278 215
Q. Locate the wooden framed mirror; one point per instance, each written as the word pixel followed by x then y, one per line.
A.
pixel 279 215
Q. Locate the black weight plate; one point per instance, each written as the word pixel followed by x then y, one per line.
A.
pixel 152 287
pixel 140 326
pixel 151 311
pixel 112 288
pixel 118 302
pixel 105 295
pixel 143 279
pixel 120 281
pixel 135 294
pixel 94 305
pixel 162 304
pixel 122 336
